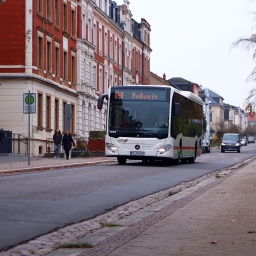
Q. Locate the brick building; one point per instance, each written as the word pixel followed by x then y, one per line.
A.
pixel 38 54
pixel 67 52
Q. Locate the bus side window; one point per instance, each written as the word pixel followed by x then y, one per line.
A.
pixel 176 109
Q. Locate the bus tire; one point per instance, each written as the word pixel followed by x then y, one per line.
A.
pixel 121 160
pixel 178 159
pixel 184 160
pixel 193 159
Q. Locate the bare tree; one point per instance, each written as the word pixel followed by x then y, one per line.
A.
pixel 249 44
pixel 220 130
pixel 250 131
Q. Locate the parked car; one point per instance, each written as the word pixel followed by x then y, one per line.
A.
pixel 231 142
pixel 251 139
pixel 244 141
pixel 205 147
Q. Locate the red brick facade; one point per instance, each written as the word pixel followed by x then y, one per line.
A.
pixel 12 39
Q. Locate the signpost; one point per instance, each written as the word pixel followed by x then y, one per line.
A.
pixel 29 107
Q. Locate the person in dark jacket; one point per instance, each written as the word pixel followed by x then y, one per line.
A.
pixel 57 139
pixel 67 143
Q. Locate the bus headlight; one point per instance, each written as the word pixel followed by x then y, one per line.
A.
pixel 164 148
pixel 111 147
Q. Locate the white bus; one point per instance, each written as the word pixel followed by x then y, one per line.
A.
pixel 149 123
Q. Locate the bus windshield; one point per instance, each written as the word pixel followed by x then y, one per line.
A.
pixel 136 115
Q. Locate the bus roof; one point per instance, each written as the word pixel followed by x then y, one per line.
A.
pixel 191 96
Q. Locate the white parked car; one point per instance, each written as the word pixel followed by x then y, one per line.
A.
pixel 244 142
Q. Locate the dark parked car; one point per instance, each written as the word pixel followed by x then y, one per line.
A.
pixel 231 142
pixel 205 147
pixel 251 139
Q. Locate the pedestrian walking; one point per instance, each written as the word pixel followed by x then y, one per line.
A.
pixel 67 143
pixel 57 140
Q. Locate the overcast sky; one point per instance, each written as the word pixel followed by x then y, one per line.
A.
pixel 192 39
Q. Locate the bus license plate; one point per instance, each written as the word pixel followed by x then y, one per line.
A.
pixel 137 153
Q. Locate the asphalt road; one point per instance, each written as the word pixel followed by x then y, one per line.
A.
pixel 32 204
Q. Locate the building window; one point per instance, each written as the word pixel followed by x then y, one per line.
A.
pixel 115 52
pixel 72 122
pixel 40 6
pixel 65 66
pixel 49 56
pixel 90 73
pixel 40 52
pixel 65 17
pixel 57 61
pixel 64 116
pixel 105 82
pixel 83 27
pixel 106 7
pixel 95 35
pixel 90 30
pixel 94 80
pixel 83 116
pixel 111 81
pixel 120 54
pixel 56 13
pixel 73 23
pixel 100 40
pixel 40 110
pixel 127 60
pixel 56 114
pixel 111 48
pixel 48 112
pixel 137 60
pixel 49 9
pixel 73 68
pixel 100 81
pixel 132 59
pixel 106 44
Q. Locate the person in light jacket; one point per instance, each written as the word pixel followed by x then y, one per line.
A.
pixel 57 139
pixel 67 143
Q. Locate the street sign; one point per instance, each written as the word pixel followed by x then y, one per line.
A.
pixel 29 103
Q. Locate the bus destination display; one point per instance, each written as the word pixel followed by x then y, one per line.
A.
pixel 143 95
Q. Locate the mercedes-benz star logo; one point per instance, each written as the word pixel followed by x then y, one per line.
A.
pixel 137 147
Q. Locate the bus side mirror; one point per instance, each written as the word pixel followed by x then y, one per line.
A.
pixel 176 109
pixel 101 100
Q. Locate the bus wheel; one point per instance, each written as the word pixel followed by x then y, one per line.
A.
pixel 184 160
pixel 177 160
pixel 121 160
pixel 193 159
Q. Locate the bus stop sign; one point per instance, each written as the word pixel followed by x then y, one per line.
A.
pixel 29 103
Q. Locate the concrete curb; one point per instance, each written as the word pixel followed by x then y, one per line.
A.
pixel 52 167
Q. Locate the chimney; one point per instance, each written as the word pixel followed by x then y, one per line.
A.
pixel 164 77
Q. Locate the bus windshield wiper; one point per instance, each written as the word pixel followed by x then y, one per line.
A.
pixel 152 134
